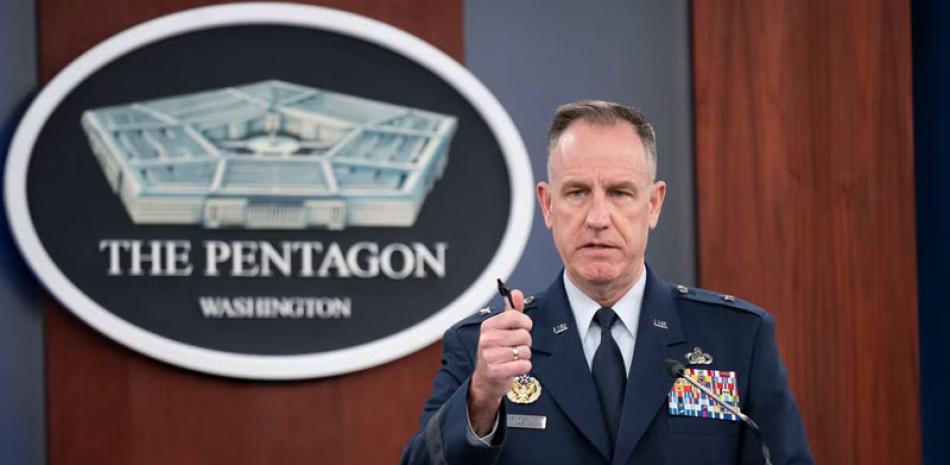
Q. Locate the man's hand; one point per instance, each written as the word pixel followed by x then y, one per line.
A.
pixel 500 337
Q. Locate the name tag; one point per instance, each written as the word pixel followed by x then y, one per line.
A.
pixel 527 421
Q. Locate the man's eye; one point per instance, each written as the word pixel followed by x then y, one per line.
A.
pixel 621 194
pixel 576 193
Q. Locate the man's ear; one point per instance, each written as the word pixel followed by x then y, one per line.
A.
pixel 657 195
pixel 544 200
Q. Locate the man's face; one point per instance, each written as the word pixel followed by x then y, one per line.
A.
pixel 601 203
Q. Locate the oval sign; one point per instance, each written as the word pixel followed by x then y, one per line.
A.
pixel 269 191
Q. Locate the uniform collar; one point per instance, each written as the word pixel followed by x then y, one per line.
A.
pixel 584 308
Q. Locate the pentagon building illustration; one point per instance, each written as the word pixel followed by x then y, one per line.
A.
pixel 270 155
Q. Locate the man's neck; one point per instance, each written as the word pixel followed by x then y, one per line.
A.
pixel 605 294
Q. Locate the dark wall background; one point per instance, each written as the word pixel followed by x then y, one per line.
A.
pixel 931 40
pixel 22 406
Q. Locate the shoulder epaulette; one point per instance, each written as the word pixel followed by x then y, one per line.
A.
pixel 530 302
pixel 478 317
pixel 715 298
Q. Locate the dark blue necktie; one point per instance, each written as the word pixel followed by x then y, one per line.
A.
pixel 610 377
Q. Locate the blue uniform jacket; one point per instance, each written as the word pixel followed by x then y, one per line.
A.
pixel 673 320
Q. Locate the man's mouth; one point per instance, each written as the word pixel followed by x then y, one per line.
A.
pixel 598 246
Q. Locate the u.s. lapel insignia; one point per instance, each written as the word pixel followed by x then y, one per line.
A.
pixel 560 328
pixel 698 357
pixel 524 389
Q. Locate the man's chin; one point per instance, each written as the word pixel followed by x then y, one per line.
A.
pixel 598 276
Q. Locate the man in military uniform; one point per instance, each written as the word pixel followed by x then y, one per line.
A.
pixel 576 375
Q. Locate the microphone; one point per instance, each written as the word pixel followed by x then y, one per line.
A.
pixel 676 370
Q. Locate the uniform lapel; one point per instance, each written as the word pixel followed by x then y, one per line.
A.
pixel 564 373
pixel 647 384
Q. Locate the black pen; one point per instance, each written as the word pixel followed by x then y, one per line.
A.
pixel 522 379
pixel 505 292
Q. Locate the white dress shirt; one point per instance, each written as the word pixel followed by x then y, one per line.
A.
pixel 627 308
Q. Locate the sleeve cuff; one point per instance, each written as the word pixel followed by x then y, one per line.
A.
pixel 477 440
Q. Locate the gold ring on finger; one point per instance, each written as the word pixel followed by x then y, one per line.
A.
pixel 515 353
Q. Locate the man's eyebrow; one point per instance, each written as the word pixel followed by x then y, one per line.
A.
pixel 630 185
pixel 573 183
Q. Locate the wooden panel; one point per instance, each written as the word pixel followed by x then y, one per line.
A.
pixel 66 28
pixel 110 405
pixel 804 172
pixel 107 404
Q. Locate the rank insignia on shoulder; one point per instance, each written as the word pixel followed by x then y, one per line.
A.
pixel 698 357
pixel 485 311
pixel 524 389
pixel 686 400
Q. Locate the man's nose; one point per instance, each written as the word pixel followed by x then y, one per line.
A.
pixel 598 216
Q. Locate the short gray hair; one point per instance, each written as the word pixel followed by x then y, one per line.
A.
pixel 604 113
